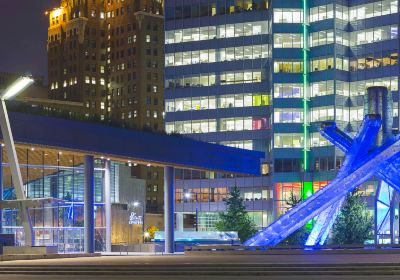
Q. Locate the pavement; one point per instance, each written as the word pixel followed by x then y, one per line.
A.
pixel 203 267
pixel 214 259
pixel 25 277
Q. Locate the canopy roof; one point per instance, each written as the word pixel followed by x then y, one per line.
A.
pixel 136 146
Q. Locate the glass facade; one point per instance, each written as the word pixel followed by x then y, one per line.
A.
pixel 54 174
pixel 309 61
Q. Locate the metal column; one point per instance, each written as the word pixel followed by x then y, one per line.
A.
pixel 107 202
pixel 169 196
pixel 16 175
pixel 89 205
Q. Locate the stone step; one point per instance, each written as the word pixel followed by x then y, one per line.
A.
pixel 214 270
pixel 206 273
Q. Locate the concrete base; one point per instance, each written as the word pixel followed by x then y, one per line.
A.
pixel 46 257
pixel 27 250
pixel 149 248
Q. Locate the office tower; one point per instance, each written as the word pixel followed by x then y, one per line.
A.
pixel 108 55
pixel 264 75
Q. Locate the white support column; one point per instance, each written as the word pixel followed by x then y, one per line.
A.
pixel 179 221
pixel 89 205
pixel 16 174
pixel 169 196
pixel 107 202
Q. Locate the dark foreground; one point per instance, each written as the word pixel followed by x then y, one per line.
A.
pixel 179 267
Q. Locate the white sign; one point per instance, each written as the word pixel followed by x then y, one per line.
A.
pixel 135 220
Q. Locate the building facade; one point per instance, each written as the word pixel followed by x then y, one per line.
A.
pixel 108 56
pixel 264 75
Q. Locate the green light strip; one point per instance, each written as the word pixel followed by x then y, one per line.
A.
pixel 305 86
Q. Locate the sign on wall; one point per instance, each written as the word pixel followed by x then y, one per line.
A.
pixel 135 220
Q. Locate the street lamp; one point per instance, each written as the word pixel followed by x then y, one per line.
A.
pixel 188 195
pixel 15 88
pixel 136 204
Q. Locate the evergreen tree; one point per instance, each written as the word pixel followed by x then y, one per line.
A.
pixel 353 225
pixel 236 217
pixel 299 237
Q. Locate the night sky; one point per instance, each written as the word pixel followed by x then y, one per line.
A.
pixel 23 29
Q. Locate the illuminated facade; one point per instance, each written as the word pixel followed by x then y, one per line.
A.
pixel 263 75
pixel 47 173
pixel 107 55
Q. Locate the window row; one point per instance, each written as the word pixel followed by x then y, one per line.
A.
pixel 379 8
pixel 323 37
pixel 317 140
pixel 321 64
pixel 240 77
pixel 288 115
pixel 373 61
pixel 355 38
pixel 213 102
pixel 214 8
pixel 321 13
pixel 245 144
pixel 288 40
pixel 225 124
pixel 327 88
pixel 375 9
pixel 372 35
pixel 213 55
pixel 287 165
pixel 91 80
pixel 288 15
pixel 288 140
pixel 246 123
pixel 225 78
pixel 360 87
pixel 288 66
pixel 288 90
pixel 346 114
pixel 200 80
pixel 320 114
pixel 216 32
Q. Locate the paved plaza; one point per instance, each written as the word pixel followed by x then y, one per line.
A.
pixel 309 266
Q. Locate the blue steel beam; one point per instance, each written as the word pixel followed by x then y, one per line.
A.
pixel 362 170
pixel 341 140
pixel 365 138
pixel 337 137
pixel 323 224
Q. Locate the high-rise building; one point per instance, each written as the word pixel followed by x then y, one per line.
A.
pixel 108 55
pixel 264 75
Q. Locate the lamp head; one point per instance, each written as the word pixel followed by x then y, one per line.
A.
pixel 16 87
pixel 188 195
pixel 136 204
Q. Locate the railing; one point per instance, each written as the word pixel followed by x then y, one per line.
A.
pixel 230 248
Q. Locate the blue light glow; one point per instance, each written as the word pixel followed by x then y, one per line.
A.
pixel 363 160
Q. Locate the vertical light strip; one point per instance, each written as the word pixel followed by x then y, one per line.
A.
pixel 305 86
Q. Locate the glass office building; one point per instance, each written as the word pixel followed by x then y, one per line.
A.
pixel 264 75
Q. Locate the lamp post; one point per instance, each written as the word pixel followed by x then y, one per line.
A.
pixel 136 204
pixel 188 195
pixel 15 88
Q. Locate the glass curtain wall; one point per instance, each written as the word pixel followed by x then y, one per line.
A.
pixel 60 175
